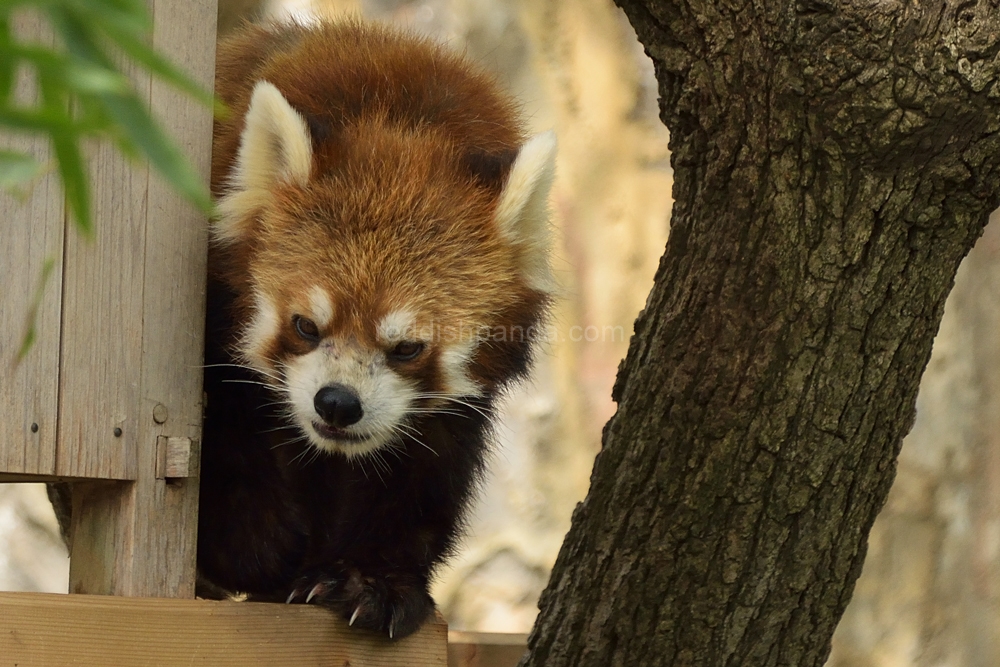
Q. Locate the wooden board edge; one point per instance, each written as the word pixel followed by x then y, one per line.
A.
pixel 85 630
pixel 30 478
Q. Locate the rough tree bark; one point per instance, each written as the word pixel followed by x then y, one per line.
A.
pixel 834 161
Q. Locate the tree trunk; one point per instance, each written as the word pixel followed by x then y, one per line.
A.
pixel 834 161
pixel 929 595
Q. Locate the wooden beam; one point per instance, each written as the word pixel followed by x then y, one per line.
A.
pixel 96 631
pixel 133 353
pixel 16 477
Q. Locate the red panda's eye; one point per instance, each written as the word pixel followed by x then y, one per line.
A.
pixel 406 351
pixel 306 328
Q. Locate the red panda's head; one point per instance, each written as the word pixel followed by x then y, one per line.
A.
pixel 386 271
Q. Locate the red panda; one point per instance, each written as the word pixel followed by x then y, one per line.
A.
pixel 377 267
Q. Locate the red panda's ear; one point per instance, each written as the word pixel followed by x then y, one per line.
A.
pixel 523 211
pixel 275 147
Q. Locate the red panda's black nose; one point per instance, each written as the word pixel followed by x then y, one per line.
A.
pixel 338 405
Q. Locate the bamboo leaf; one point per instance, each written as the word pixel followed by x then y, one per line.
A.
pixel 17 169
pixel 83 77
pixel 130 16
pixel 78 36
pixel 7 61
pixel 74 178
pixel 86 77
pixel 36 120
pixel 36 300
pixel 142 131
pixel 154 62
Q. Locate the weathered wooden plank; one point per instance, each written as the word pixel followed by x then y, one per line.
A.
pixel 31 234
pixel 102 316
pixel 174 312
pixel 96 631
pixel 139 538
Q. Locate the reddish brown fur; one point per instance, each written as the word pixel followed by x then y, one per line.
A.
pixel 411 148
pixel 425 221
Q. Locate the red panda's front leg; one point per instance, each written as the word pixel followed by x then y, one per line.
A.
pixel 252 533
pixel 384 599
pixel 380 579
pixel 377 535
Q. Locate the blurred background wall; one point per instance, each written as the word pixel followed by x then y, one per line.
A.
pixel 928 595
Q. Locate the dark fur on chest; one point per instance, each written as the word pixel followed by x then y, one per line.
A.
pixel 276 513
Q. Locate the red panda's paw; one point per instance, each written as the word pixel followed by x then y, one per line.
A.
pixel 393 604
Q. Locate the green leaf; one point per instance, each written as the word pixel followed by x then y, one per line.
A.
pixel 36 120
pixel 7 61
pixel 17 169
pixel 74 74
pixel 85 93
pixel 83 42
pixel 26 342
pixel 78 36
pixel 142 131
pixel 74 178
pixel 157 64
pixel 129 16
pixel 86 77
pixel 36 300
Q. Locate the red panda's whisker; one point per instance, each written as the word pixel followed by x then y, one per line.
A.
pixel 256 382
pixel 454 399
pixel 283 427
pixel 440 411
pixel 274 403
pixel 291 442
pixel 302 454
pixel 244 367
pixel 359 461
pixel 410 432
pixel 394 449
pixel 380 465
pixel 316 454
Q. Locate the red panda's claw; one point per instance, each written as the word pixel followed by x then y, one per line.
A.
pixel 318 589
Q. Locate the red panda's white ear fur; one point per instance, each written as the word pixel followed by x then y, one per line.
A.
pixel 523 211
pixel 275 147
